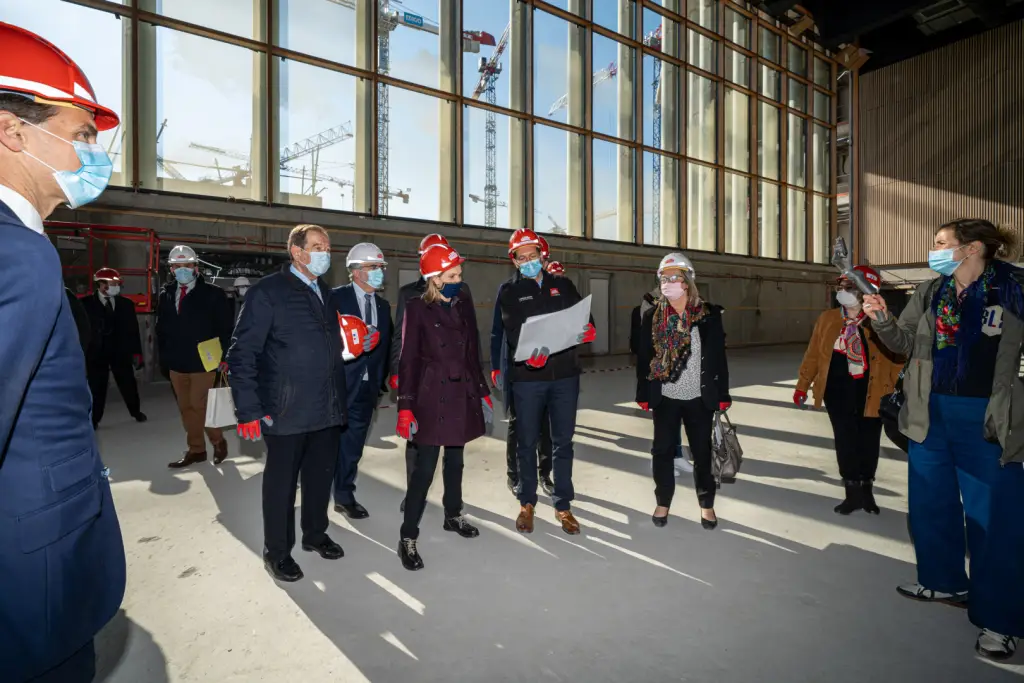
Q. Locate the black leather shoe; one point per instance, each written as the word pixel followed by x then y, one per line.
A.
pixel 140 416
pixel 708 523
pixel 353 511
pixel 659 521
pixel 187 459
pixel 327 549
pixel 411 559
pixel 460 526
pixel 286 570
pixel 547 484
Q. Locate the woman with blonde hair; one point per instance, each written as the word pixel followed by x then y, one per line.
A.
pixel 964 416
pixel 683 377
pixel 443 399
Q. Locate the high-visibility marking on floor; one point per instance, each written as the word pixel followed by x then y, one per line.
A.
pixel 396 592
pixel 344 523
pixel 752 537
pixel 577 545
pixel 644 558
pixel 392 639
pixel 511 533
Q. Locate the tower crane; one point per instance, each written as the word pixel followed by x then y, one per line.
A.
pixel 653 40
pixel 490 69
pixel 392 15
pixel 600 76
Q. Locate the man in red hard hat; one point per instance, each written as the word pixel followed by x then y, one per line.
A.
pixel 62 558
pixel 116 345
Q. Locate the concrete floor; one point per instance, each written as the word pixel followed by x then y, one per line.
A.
pixel 784 590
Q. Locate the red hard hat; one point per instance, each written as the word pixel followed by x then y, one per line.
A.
pixel 107 275
pixel 524 237
pixel 556 268
pixel 353 334
pixel 437 259
pixel 545 253
pixel 431 241
pixel 37 68
pixel 870 274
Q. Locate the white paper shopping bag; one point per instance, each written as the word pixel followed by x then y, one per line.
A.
pixel 220 408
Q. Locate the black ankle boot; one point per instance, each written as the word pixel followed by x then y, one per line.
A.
pixel 852 502
pixel 868 498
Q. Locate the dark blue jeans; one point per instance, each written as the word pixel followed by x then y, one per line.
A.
pixel 558 401
pixel 956 463
pixel 353 438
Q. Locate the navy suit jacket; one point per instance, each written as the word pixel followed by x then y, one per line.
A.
pixel 343 300
pixel 62 559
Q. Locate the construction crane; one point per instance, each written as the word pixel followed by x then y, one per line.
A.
pixel 653 40
pixel 489 70
pixel 392 15
pixel 600 76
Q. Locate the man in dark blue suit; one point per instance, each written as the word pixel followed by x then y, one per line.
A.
pixel 62 563
pixel 366 376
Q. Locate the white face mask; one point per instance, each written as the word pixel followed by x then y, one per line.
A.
pixel 113 290
pixel 847 299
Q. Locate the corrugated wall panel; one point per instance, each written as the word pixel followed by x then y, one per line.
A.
pixel 941 137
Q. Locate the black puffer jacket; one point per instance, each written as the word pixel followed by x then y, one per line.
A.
pixel 285 358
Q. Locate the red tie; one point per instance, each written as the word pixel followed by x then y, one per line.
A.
pixel 181 297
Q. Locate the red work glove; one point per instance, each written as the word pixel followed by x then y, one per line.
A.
pixel 393 382
pixel 251 431
pixel 799 397
pixel 644 406
pixel 137 361
pixel 538 359
pixel 724 405
pixel 589 334
pixel 407 425
pixel 495 378
pixel 223 368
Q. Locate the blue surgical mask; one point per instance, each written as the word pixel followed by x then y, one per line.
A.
pixel 184 276
pixel 530 268
pixel 450 290
pixel 92 177
pixel 375 278
pixel 942 261
pixel 320 262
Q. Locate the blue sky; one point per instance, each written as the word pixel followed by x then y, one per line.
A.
pixel 204 94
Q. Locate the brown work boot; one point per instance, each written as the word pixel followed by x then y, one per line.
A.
pixel 188 459
pixel 220 451
pixel 569 523
pixel 524 522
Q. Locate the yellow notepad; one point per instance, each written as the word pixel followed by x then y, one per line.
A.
pixel 211 353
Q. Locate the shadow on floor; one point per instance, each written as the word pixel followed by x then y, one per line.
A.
pixel 127 653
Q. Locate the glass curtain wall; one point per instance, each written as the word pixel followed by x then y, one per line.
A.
pixel 697 124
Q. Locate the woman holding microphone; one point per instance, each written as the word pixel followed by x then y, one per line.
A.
pixel 443 398
pixel 682 375
pixel 964 415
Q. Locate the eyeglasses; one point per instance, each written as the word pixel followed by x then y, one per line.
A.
pixel 526 258
pixel 846 287
pixel 666 279
pixel 371 267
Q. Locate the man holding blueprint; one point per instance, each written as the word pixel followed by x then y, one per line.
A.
pixel 545 319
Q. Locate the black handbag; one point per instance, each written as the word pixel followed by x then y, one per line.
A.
pixel 889 411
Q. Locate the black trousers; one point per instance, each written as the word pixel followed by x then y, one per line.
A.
pixel 313 456
pixel 698 421
pixel 423 476
pixel 858 443
pixel 98 369
pixel 544 449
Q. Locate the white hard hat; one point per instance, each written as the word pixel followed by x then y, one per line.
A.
pixel 676 259
pixel 181 255
pixel 241 282
pixel 365 252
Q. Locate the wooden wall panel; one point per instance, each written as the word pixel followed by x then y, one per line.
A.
pixel 941 137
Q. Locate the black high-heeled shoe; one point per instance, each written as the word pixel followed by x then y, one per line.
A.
pixel 708 523
pixel 659 521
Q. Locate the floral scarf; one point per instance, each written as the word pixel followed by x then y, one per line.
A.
pixel 958 320
pixel 850 344
pixel 670 333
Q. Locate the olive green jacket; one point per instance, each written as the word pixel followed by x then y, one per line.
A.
pixel 913 335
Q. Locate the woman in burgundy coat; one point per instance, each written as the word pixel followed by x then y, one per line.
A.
pixel 443 399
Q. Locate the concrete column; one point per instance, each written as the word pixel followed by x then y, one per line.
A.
pixel 518 133
pixel 450 70
pixel 579 82
pixel 366 111
pixel 626 163
pixel 262 137
pixel 671 102
pixel 147 123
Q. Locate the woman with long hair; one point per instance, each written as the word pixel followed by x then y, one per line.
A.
pixel 683 377
pixel 848 367
pixel 443 399
pixel 964 415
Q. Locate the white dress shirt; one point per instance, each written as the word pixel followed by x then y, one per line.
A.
pixel 21 207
